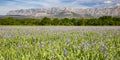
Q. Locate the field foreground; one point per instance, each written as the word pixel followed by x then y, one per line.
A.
pixel 59 43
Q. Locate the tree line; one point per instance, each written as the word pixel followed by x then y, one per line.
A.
pixel 101 21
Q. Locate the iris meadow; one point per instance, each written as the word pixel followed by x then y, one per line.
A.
pixel 59 43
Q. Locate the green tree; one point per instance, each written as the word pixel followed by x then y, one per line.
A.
pixel 74 21
pixel 56 21
pixel 46 21
pixel 81 22
pixel 66 21
pixel 10 21
pixel 106 20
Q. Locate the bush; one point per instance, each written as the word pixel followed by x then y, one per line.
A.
pixel 104 20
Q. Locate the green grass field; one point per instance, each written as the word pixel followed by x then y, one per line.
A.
pixel 59 43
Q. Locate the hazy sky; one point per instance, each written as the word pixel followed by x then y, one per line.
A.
pixel 7 5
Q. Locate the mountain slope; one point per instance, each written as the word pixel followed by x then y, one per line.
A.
pixel 67 12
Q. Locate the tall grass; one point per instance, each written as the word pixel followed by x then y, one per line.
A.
pixel 59 43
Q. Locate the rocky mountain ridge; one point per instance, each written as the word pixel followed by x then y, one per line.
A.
pixel 67 12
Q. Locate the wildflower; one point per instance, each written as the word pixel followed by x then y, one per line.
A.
pixel 101 42
pixel 51 43
pixel 52 57
pixel 79 46
pixel 19 46
pixel 28 46
pixel 95 43
pixel 106 55
pixel 91 37
pixel 74 46
pixel 68 42
pixel 82 43
pixel 42 44
pixel 34 38
pixel 103 48
pixel 105 33
pixel 65 52
pixel 55 50
pixel 86 46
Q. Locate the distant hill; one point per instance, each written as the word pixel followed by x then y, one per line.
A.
pixel 66 12
pixel 15 16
